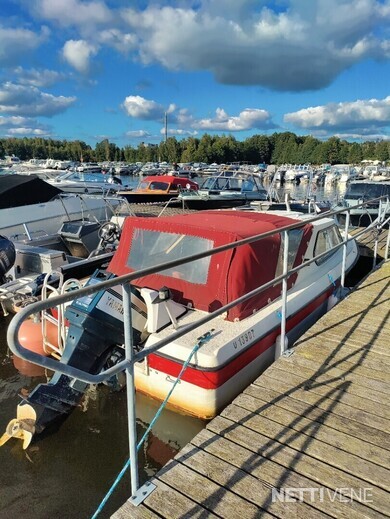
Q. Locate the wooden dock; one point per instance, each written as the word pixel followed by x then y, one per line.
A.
pixel 366 242
pixel 315 425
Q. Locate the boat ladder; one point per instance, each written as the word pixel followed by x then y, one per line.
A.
pixel 58 318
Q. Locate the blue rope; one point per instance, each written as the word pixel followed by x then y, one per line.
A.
pixel 333 283
pixel 332 280
pixel 201 340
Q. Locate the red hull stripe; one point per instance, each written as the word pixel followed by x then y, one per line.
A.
pixel 212 379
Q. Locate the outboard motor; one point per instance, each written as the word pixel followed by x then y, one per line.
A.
pixel 94 340
pixel 7 257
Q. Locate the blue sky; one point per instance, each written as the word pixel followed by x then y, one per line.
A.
pixel 89 70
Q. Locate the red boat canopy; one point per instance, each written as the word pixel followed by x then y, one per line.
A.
pixel 210 283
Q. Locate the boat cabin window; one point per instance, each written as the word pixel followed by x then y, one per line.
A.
pixel 326 240
pixel 294 240
pixel 159 186
pixel 151 248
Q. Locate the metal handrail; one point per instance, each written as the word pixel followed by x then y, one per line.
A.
pixel 15 324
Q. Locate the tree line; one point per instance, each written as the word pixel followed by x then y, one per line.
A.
pixel 278 148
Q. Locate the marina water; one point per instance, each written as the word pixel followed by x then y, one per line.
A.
pixel 68 473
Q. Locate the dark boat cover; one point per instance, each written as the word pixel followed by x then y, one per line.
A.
pixel 209 283
pixel 18 190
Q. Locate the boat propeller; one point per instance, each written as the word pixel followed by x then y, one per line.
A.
pixel 21 427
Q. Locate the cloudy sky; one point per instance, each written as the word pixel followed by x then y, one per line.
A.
pixel 78 69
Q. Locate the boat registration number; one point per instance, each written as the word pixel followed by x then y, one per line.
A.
pixel 244 339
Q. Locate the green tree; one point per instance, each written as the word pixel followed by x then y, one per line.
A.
pixel 205 149
pixel 382 150
pixel 355 155
pixel 189 149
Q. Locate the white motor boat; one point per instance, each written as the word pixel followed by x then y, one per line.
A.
pixel 341 173
pixel 241 341
pixel 360 191
pixel 29 205
pixel 228 189
pixel 80 182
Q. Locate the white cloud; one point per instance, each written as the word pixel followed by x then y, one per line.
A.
pixel 148 110
pixel 137 134
pixel 248 119
pixel 19 126
pixel 38 77
pixel 141 108
pixel 30 101
pixel 35 132
pixel 288 45
pixel 78 53
pixel 72 12
pixel 368 114
pixel 13 120
pixel 363 136
pixel 16 42
pixel 179 132
pixel 122 42
pixel 304 46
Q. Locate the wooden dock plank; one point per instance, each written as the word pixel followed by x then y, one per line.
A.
pixel 206 492
pixel 168 502
pixel 304 380
pixel 128 510
pixel 232 478
pixel 344 354
pixel 366 242
pixel 352 367
pixel 331 455
pixel 270 472
pixel 317 419
pixel 305 409
pixel 326 434
pixel 296 461
pixel 296 362
pixel 343 403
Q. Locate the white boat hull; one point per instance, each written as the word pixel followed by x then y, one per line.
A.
pixel 47 217
pixel 200 392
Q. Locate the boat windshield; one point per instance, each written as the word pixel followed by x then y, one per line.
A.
pixel 366 190
pixel 151 248
pixel 223 183
pixel 154 186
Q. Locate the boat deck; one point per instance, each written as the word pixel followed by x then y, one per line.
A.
pixel 316 424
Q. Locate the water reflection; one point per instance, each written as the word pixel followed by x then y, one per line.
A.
pixel 68 473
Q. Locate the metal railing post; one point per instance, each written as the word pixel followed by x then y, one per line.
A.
pixel 344 261
pixel 284 293
pixel 377 231
pixel 130 387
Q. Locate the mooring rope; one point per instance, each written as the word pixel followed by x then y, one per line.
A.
pixel 201 340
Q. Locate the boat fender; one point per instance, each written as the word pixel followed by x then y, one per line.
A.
pixel 333 300
pixel 31 338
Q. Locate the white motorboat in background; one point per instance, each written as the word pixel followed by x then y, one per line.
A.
pixel 360 191
pixel 228 189
pixel 29 205
pixel 80 182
